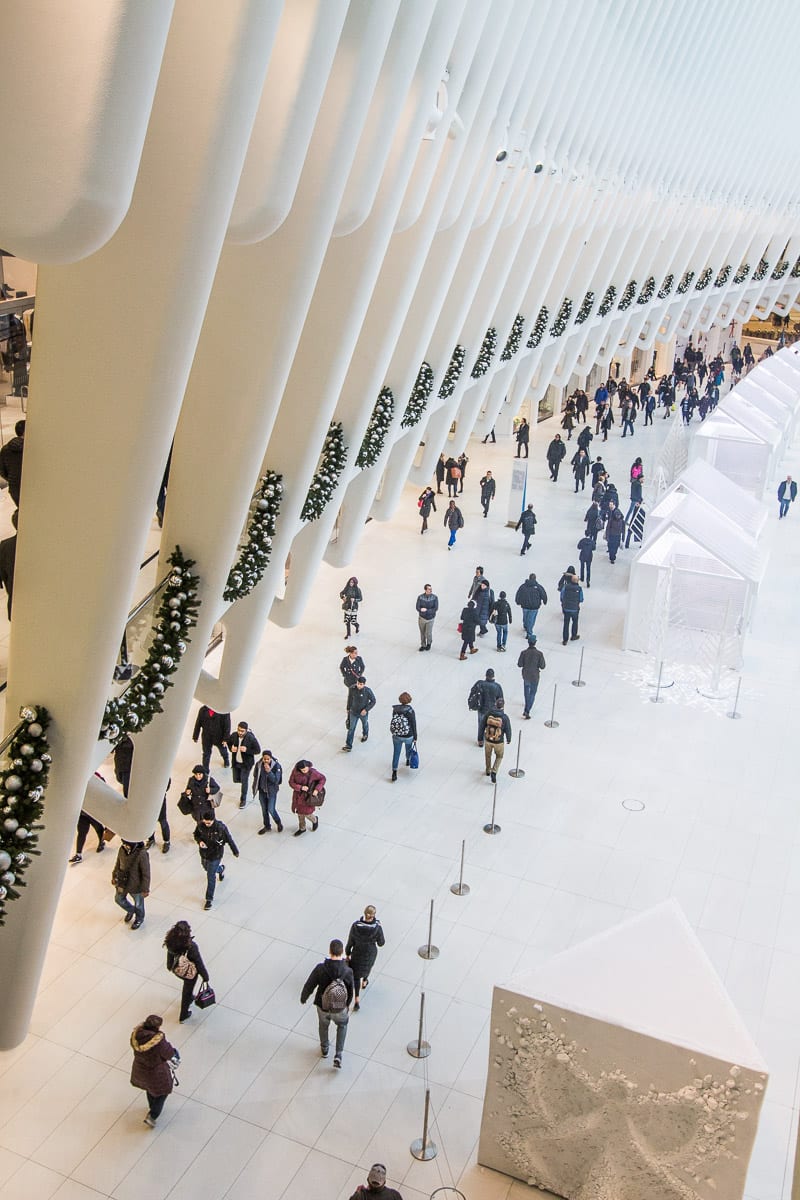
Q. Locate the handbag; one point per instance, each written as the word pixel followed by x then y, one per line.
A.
pixel 460 627
pixel 317 800
pixel 184 968
pixel 413 758
pixel 205 997
pixel 172 1064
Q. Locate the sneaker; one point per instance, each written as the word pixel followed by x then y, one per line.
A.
pixel 137 922
pixel 337 1062
pixel 101 845
pixel 324 1051
pixel 526 716
pixel 207 906
pixel 150 1121
pixel 347 749
pixel 165 848
pixel 365 737
pixel 394 776
pixel 76 858
pixel 494 776
pixel 242 804
pixel 221 872
pixel 488 773
pixel 421 649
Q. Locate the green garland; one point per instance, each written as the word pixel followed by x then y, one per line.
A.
pixel 562 316
pixel 539 327
pixel 379 425
pixel 514 338
pixel 685 283
pixel 453 372
pixel 331 464
pixel 607 303
pixel 761 270
pixel 254 555
pixel 704 280
pixel 628 296
pixel 22 786
pixel 647 292
pixel 666 286
pixel 485 354
pixel 723 276
pixel 742 273
pixel 176 615
pixel 584 312
pixel 781 269
pixel 796 270
pixel 418 400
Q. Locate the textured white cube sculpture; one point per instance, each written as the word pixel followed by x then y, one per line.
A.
pixel 620 1070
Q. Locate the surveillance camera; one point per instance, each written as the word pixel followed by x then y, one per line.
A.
pixel 501 156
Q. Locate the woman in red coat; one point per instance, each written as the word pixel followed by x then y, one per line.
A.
pixel 306 782
pixel 151 1058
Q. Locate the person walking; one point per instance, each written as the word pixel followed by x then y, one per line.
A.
pixel 482 697
pixel 495 726
pixel 403 728
pixel 376 1188
pixel 580 469
pixel 585 556
pixel 427 608
pixel 635 524
pixel 598 468
pixel 213 728
pixel 490 434
pixel 787 494
pixel 351 596
pixel 527 523
pixel 426 505
pixel 201 795
pixel 555 453
pixel 649 408
pixel 244 746
pixel 484 599
pixel 531 663
pixel 186 962
pixel 615 529
pixel 212 836
pixel 453 476
pixel 477 580
pixel 467 627
pixel 584 438
pixel 308 794
pixel 607 421
pixel 453 520
pixel 350 668
pixel 85 822
pixel 530 597
pixel 440 473
pixel 123 762
pixel 500 617
pixel 360 701
pixel 11 461
pixel 462 461
pixel 593 522
pixel 332 982
pixel 8 560
pixel 523 437
pixel 131 878
pixel 571 601
pixel 366 935
pixel 488 489
pixel 581 405
pixel 267 778
pixel 628 418
pixel 152 1055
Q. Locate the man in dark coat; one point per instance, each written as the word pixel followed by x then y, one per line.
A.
pixel 11 461
pixel 131 877
pixel 586 549
pixel 555 453
pixel 213 729
pixel 244 746
pixel 580 468
pixel 366 935
pixel 530 597
pixel 584 437
pixel 331 1003
pixel 212 836
pixel 427 608
pixel 8 557
pixel 488 489
pixel 571 601
pixel 615 528
pixel 523 437
pixel 527 523
pixel 440 472
pixel 787 494
pixel 531 663
pixel 360 700
pixel 483 697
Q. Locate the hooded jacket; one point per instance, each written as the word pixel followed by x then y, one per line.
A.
pixel 214 838
pixel 362 945
pixel 530 594
pixel 131 871
pixel 321 976
pixel 151 1055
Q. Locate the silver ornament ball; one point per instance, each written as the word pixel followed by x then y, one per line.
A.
pixel 35 729
pixel 8 877
pixel 13 783
pixel 27 750
pixel 5 860
pixel 21 833
pixel 36 765
pixel 10 824
pixel 27 713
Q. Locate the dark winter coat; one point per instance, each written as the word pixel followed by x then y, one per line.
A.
pixel 199 801
pixel 411 716
pixel 527 523
pixel 351 669
pixel 556 451
pixel 591 518
pixel 11 466
pixel 322 975
pixel 580 465
pixel 636 489
pixel 351 596
pixel 532 662
pixel 8 558
pixel 440 472
pixel 586 549
pixel 530 594
pixel 453 518
pixel 483 601
pixel 267 781
pixel 193 954
pixel 571 597
pixel 123 759
pixel 359 700
pixel 151 1055
pixel 782 489
pixel 469 622
pixel 488 488
pixel 369 1193
pixel 131 871
pixel 250 747
pixel 427 606
pixel 598 469
pixel 214 727
pixel 489 692
pixel 428 504
pixel 502 611
pixel 615 527
pixel 302 786
pixel 362 945
pixel 523 433
pixel 214 839
pixel 584 437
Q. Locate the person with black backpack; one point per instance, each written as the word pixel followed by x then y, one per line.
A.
pixel 267 778
pixel 333 980
pixel 494 727
pixel 403 728
pixel 482 698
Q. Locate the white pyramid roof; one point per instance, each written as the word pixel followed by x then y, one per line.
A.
pixel 649 974
pixel 733 502
pixel 704 525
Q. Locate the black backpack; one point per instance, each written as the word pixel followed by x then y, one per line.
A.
pixel 474 697
pixel 400 726
pixel 334 997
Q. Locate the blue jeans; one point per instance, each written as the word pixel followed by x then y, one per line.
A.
pixel 340 1020
pixel 352 725
pixel 398 743
pixel 135 909
pixel 269 808
pixel 784 507
pixel 529 616
pixel 502 635
pixel 453 533
pixel 212 869
pixel 530 693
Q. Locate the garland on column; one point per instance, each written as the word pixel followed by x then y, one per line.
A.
pixel 331 464
pixel 377 429
pixel 607 303
pixel 254 555
pixel 666 287
pixel 796 270
pixel 539 327
pixel 742 273
pixel 583 313
pixel 451 375
pixel 781 269
pixel 486 353
pixel 761 270
pixel 176 615
pixel 418 400
pixel 627 298
pixel 647 292
pixel 562 316
pixel 514 338
pixel 704 280
pixel 22 786
pixel 685 282
pixel 723 276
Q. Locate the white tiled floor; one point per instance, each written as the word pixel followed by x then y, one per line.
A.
pixel 257 1112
